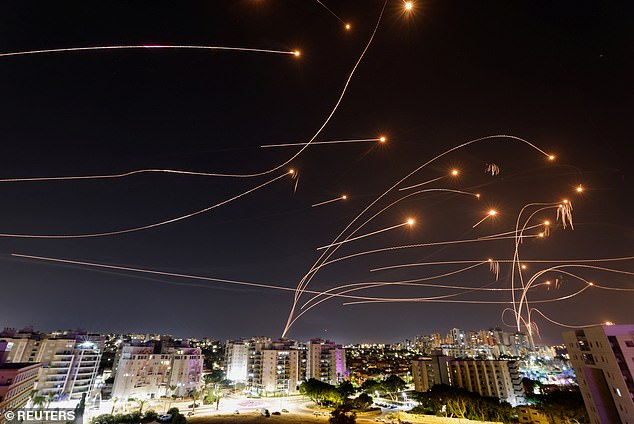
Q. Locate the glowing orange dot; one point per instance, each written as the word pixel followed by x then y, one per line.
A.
pixel 546 222
pixel 296 53
pixel 478 195
pixel 579 188
pixel 523 266
pixel 409 5
pixel 541 234
pixel 411 221
pixel 291 171
pixel 347 26
pixel 455 172
pixel 344 197
pixel 493 212
pixel 382 139
pixel 551 157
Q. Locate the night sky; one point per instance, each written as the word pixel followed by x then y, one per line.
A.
pixel 559 74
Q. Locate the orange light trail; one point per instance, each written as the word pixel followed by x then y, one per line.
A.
pixel 145 47
pixel 409 222
pixel 317 143
pixel 146 227
pixel 325 202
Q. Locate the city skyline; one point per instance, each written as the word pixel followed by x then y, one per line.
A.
pixel 556 77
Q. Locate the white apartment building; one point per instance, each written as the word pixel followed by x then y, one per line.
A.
pixel 143 372
pixel 603 359
pixel 325 361
pixel 236 360
pixel 275 372
pixel 69 362
pixel 490 378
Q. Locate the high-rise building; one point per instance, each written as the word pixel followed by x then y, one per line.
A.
pixel 325 361
pixel 150 370
pixel 69 360
pixel 17 381
pixel 275 367
pixel 236 360
pixel 603 359
pixel 427 372
pixel 490 378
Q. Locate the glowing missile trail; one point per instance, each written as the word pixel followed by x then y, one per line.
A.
pixel 454 173
pixel 410 222
pixel 404 282
pixel 489 214
pixel 367 221
pixel 295 53
pixel 166 274
pixel 422 184
pixel 336 199
pixel 410 300
pixel 347 25
pixel 505 261
pixel 146 227
pixel 327 254
pixel 145 47
pixel 413 246
pixel 317 143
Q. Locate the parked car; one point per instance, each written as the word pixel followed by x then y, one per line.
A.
pixel 164 418
pixel 276 413
pixel 285 411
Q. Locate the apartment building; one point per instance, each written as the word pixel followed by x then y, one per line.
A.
pixel 150 371
pixel 603 359
pixel 17 381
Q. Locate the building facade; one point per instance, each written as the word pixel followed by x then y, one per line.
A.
pixel 603 359
pixel 236 360
pixel 145 372
pixel 17 382
pixel 490 378
pixel 69 361
pixel 325 361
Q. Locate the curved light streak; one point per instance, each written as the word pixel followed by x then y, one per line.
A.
pixel 145 227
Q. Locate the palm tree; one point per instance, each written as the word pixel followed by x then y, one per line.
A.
pixel 49 398
pixel 38 401
pixel 141 403
pixel 114 403
pixel 194 395
pixel 172 389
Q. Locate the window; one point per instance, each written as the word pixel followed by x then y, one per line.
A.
pixel 629 343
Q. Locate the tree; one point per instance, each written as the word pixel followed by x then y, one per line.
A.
pixel 363 401
pixel 194 394
pixel 371 386
pixel 172 389
pixel 114 403
pixel 392 385
pixel 563 405
pixel 321 393
pixel 342 415
pixel 38 401
pixel 346 389
pixel 141 403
